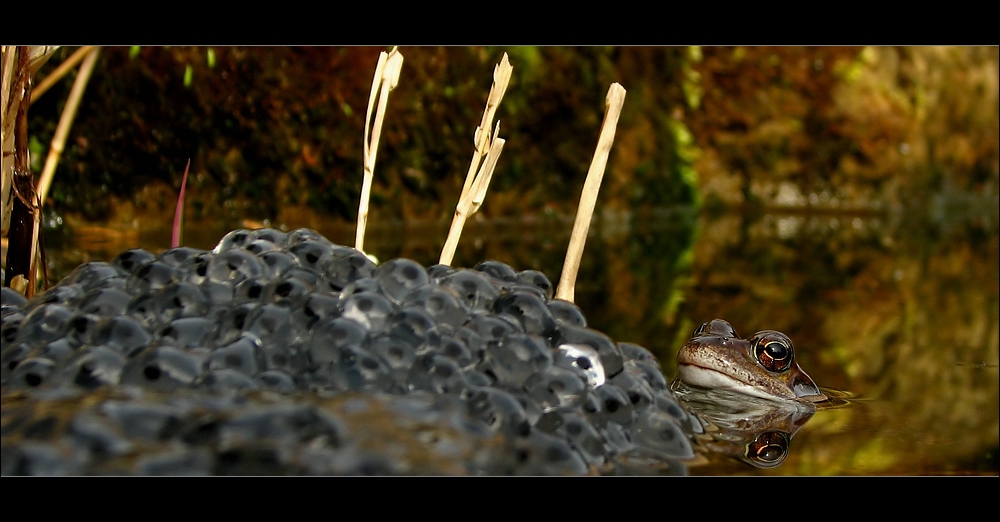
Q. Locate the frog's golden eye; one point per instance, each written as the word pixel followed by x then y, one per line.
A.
pixel 773 350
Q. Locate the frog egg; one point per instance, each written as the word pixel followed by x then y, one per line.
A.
pixel 234 239
pixel 300 235
pixel 259 246
pixel 536 279
pixel 611 357
pixel 410 325
pixel 9 297
pixel 439 341
pixel 225 380
pixel 398 355
pixel 122 333
pixel 578 432
pixel 490 327
pixel 31 372
pixel 515 358
pixel 243 356
pixel 542 454
pixel 142 308
pixel 311 253
pixel 659 433
pixel 54 350
pixel 398 276
pixel 177 256
pixel 616 406
pixel 45 323
pixel 527 309
pixel 129 260
pixel 88 429
pixel 187 332
pixel 276 262
pixel 436 272
pixel 440 303
pixel 314 307
pixel 272 325
pixel 438 374
pixel 557 388
pixel 195 268
pixel 276 380
pixel 647 372
pixel 666 403
pixel 365 284
pixel 472 287
pixel 345 266
pixel 303 275
pixel 232 323
pixel 9 324
pixel 631 351
pixel 639 394
pixel 272 235
pixel 90 367
pixel 566 312
pixel 105 302
pixel 250 291
pixel 162 368
pixel 150 277
pixel 358 370
pixel 498 270
pixel 178 300
pixel 582 358
pixel 10 357
pixel 292 359
pixel 499 411
pixel 286 290
pixel 67 295
pixel 329 335
pixel 234 266
pixel 90 276
pixel 370 310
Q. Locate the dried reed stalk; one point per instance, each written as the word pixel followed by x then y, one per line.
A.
pixel 588 199
pixel 65 122
pixel 56 75
pixel 477 179
pixel 386 75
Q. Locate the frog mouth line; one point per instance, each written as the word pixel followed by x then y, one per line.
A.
pixel 711 378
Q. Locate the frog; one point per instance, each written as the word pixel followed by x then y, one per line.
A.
pixel 762 365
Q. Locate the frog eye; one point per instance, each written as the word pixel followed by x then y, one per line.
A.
pixel 773 350
pixel 768 450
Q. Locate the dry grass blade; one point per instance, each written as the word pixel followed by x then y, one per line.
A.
pixel 386 75
pixel 56 75
pixel 478 178
pixel 65 122
pixel 501 78
pixel 588 199
pixel 471 202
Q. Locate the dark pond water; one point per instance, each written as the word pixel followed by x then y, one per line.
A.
pixel 897 311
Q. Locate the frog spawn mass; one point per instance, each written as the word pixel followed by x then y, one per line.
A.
pixel 257 336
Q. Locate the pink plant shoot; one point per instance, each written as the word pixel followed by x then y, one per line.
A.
pixel 175 239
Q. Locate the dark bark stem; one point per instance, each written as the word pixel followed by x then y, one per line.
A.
pixel 24 212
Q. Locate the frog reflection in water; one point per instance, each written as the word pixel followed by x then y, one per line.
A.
pixel 762 366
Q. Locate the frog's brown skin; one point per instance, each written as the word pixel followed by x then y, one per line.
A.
pixel 762 366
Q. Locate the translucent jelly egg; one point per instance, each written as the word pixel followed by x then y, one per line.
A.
pixel 472 287
pixel 582 358
pixel 398 276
